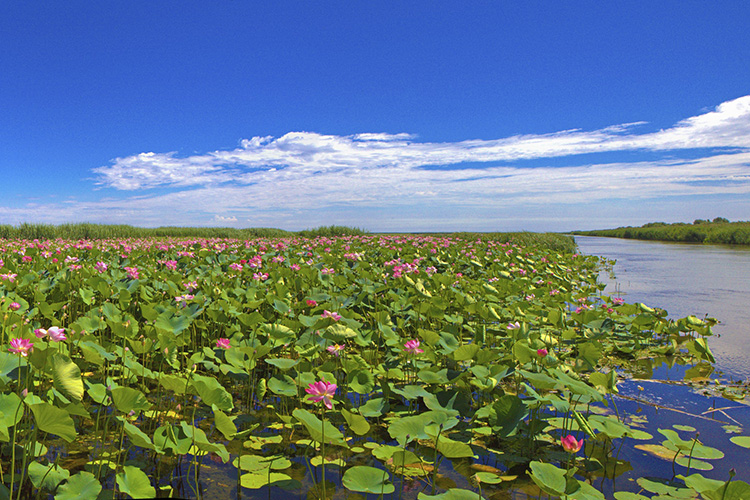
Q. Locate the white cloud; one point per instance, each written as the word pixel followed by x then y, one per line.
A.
pixel 308 154
pixel 378 180
pixel 224 220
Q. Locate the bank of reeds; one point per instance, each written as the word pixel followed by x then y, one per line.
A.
pixel 553 241
pixel 718 232
pixel 87 231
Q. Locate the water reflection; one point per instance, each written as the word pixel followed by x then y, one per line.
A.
pixel 686 279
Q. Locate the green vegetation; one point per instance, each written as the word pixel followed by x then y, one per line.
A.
pixel 331 232
pixel 87 231
pixel 717 231
pixel 409 367
pixel 553 241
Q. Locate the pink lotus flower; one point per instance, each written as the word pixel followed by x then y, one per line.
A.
pixel 294 267
pixel 56 334
pixel 132 272
pixel 21 346
pixel 327 270
pixel 184 298
pixel 330 314
pixel 412 347
pixel 322 391
pixel 223 343
pixel 335 349
pixel 14 306
pixel 541 352
pixel 311 303
pixel 570 444
pixel 618 301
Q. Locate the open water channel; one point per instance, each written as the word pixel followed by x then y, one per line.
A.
pixel 684 279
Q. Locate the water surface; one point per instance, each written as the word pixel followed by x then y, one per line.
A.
pixel 686 279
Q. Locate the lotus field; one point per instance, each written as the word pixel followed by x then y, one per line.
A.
pixel 389 366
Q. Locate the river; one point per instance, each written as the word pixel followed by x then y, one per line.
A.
pixel 686 279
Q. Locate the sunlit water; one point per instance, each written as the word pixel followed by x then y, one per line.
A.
pixel 686 279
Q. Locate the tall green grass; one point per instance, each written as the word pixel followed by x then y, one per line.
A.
pixel 331 231
pixel 552 241
pixel 87 231
pixel 701 231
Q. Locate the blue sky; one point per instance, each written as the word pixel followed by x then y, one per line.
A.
pixel 391 116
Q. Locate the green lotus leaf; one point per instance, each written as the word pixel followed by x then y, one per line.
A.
pixel 54 420
pixel 66 376
pixel 283 385
pixel 407 429
pixel 282 364
pixel 47 477
pixel 136 436
pixel 256 481
pixel 127 399
pixel 224 424
pixel 549 478
pixel 373 408
pixel 454 449
pixel 365 479
pixel 451 494
pixel 361 381
pixel 357 423
pixel 315 428
pixel 11 409
pixel 212 392
pixel 81 486
pixel 134 482
pixel 743 441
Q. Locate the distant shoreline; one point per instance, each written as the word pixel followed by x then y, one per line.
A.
pixel 719 231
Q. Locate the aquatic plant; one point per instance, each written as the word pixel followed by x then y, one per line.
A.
pixel 391 365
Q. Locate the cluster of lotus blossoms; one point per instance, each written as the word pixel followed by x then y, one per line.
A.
pixel 169 264
pixel 400 267
pixel 182 299
pixel 25 346
pixel 54 333
pixel 132 272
